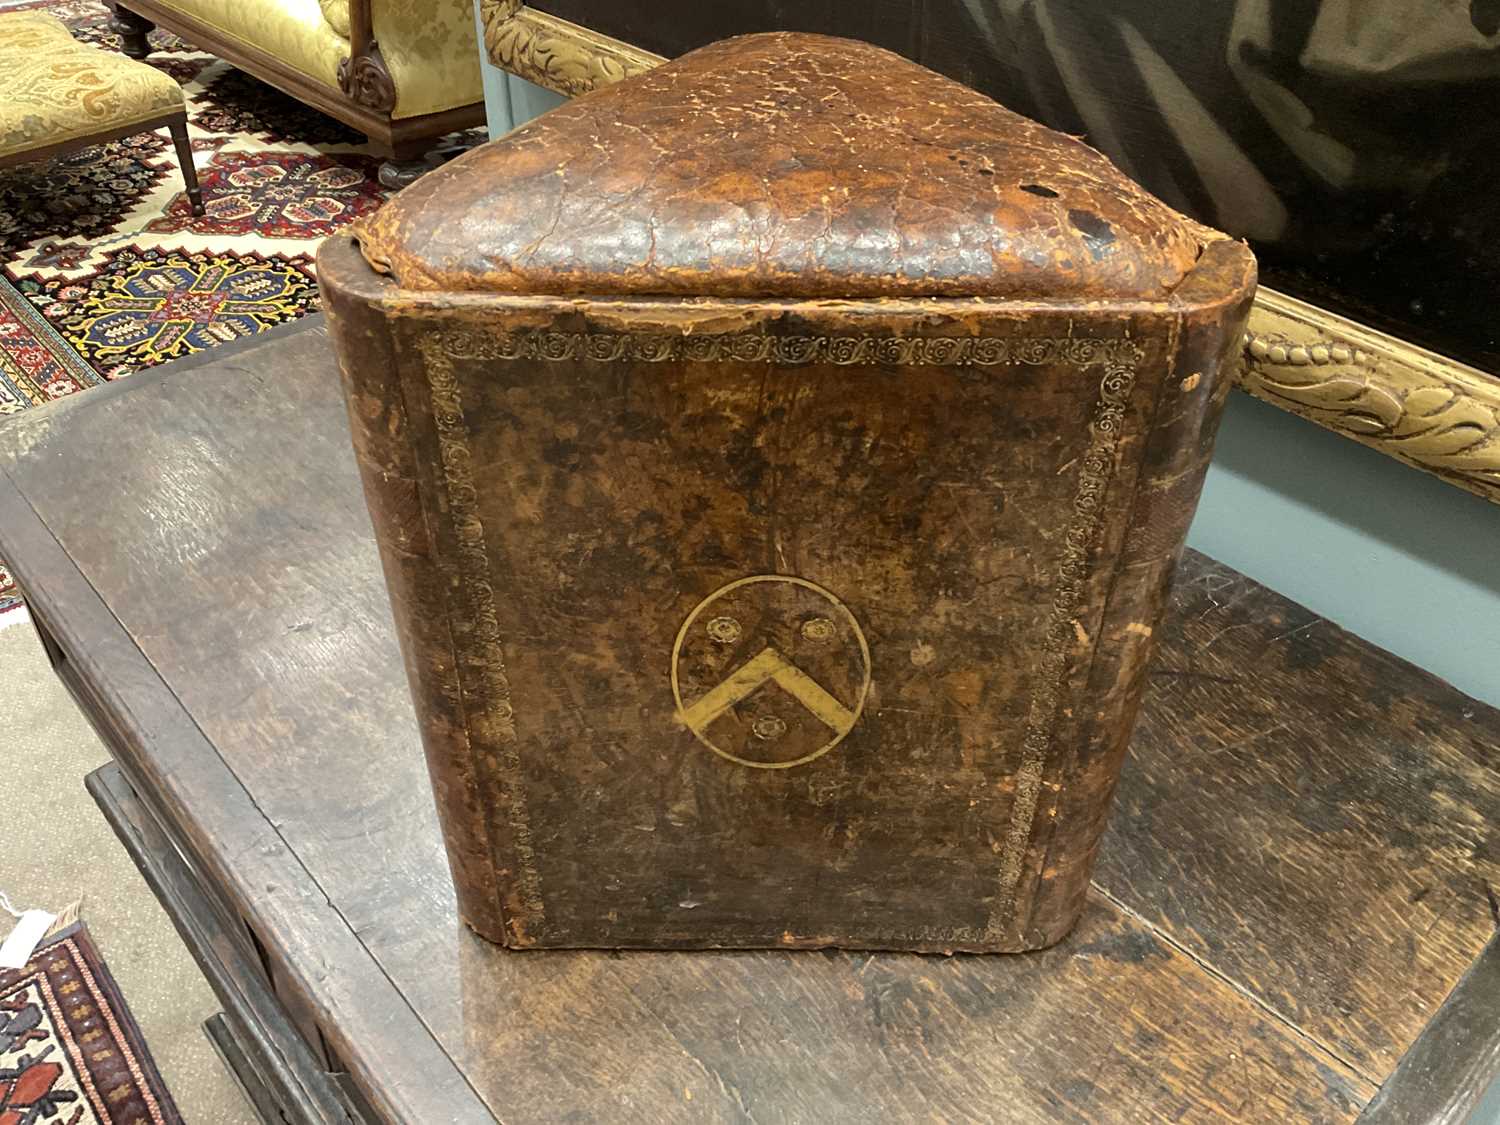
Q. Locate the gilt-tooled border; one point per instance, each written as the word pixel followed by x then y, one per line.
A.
pixel 1094 476
pixel 493 720
pixel 1119 357
pixel 750 347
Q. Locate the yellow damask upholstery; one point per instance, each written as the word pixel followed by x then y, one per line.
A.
pixel 54 89
pixel 336 12
pixel 432 52
pixel 292 30
pixel 428 45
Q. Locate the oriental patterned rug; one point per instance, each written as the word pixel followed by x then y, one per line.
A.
pixel 70 1053
pixel 105 271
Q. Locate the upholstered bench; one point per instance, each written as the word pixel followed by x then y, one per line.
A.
pixel 57 94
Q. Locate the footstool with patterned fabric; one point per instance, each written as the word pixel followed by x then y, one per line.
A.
pixel 57 94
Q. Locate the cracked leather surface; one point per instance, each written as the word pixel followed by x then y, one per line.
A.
pixel 783 165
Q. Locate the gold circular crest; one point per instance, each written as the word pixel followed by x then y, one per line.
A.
pixel 770 671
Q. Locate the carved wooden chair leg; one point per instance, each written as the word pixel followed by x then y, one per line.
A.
pixel 132 29
pixel 185 158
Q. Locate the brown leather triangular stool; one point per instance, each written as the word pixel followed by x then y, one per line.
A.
pixel 779 460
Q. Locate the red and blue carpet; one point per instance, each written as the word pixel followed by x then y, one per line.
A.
pixel 70 1053
pixel 105 271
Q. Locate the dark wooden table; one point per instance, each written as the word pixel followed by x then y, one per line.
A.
pixel 1292 918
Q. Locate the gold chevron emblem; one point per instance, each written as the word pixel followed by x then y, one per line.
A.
pixel 806 643
pixel 770 666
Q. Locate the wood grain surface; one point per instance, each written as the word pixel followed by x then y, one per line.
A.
pixel 1259 946
pixel 1311 815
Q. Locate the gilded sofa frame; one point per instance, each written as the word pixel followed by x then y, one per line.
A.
pixel 1422 408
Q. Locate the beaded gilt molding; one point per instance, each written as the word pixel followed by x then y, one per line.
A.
pixel 493 717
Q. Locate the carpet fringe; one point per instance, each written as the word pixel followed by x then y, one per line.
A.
pixel 65 918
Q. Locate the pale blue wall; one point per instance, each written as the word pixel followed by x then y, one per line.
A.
pixel 496 95
pixel 1488 1110
pixel 509 101
pixel 1390 553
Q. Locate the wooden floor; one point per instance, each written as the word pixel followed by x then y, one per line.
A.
pixel 1302 865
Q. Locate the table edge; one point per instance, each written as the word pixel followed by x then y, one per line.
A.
pixel 128 684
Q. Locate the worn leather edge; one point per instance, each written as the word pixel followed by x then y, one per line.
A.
pixel 1212 306
pixel 687 315
pixel 675 312
pixel 378 423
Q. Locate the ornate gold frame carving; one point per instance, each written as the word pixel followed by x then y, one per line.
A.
pixel 1415 405
pixel 555 53
pixel 1428 411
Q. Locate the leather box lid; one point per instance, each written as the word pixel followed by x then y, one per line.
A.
pixel 783 165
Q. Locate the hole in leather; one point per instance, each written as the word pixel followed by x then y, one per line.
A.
pixel 1038 189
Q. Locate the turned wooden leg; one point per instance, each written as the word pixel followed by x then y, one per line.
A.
pixel 410 159
pixel 185 158
pixel 133 29
pixel 396 174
